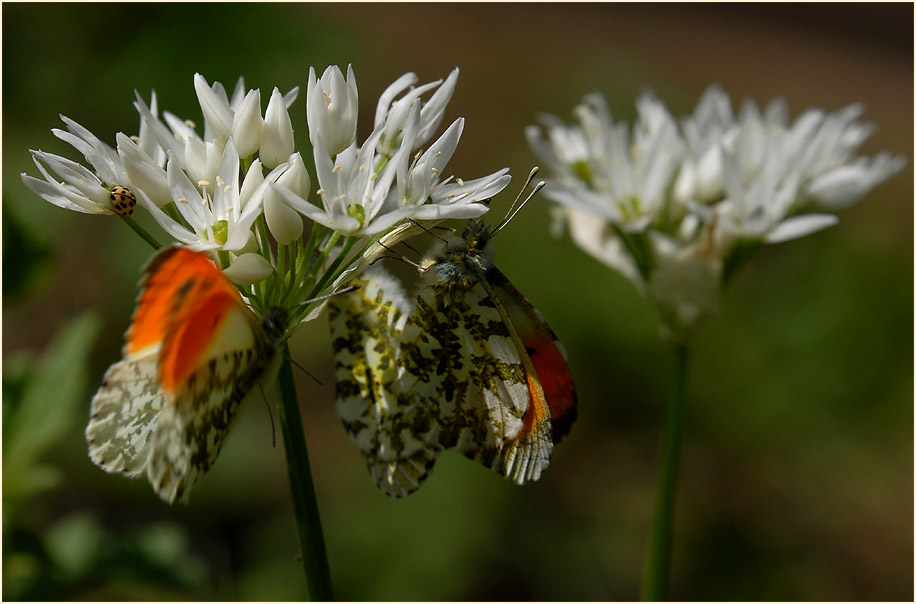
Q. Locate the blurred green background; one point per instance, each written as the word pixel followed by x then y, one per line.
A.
pixel 797 472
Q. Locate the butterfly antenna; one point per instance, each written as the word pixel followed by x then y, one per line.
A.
pixel 516 206
pixel 273 426
pixel 396 256
pixel 346 290
pixel 411 248
pixel 305 371
pixel 442 239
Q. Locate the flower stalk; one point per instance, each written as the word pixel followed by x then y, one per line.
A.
pixel 305 505
pixel 655 582
pixel 139 230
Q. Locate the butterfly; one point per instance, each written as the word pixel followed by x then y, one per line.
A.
pixel 468 364
pixel 193 352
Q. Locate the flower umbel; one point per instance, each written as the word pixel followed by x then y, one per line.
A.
pixel 678 205
pixel 240 189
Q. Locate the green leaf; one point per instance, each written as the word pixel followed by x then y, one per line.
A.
pixel 52 404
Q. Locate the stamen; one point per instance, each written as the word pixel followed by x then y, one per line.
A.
pixel 190 124
pixel 203 183
pixel 319 192
pixel 183 200
pixel 435 171
pixel 337 169
pixel 135 138
pixel 459 181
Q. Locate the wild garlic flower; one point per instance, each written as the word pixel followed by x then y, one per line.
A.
pixel 72 186
pixel 677 206
pixel 237 187
pixel 221 220
pixel 366 190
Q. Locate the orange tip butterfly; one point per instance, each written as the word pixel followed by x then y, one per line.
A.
pixel 469 364
pixel 193 352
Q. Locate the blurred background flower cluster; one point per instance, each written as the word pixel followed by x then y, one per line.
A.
pixel 797 471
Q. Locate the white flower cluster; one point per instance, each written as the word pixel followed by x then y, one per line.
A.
pixel 677 205
pixel 225 189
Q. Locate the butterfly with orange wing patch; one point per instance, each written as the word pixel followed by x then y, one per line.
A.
pixel 193 353
pixel 469 365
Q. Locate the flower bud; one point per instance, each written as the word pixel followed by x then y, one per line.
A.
pixel 247 125
pixel 285 223
pixel 277 142
pixel 331 107
pixel 248 269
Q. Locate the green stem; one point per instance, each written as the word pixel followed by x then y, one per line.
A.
pixel 139 230
pixel 319 263
pixel 332 272
pixel 305 506
pixel 655 583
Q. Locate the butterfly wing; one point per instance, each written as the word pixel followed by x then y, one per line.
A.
pixel 377 396
pixel 194 351
pixel 198 415
pixel 548 358
pixel 123 416
pixel 491 406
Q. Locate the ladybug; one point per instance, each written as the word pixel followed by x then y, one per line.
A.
pixel 123 200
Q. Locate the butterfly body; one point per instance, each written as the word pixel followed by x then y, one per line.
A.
pixel 462 365
pixel 194 352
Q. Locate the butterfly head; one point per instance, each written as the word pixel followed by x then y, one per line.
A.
pixel 475 237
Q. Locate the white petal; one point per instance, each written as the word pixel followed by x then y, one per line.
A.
pixel 395 88
pixel 215 107
pixel 847 184
pixel 143 172
pixel 799 226
pixel 53 194
pixel 171 227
